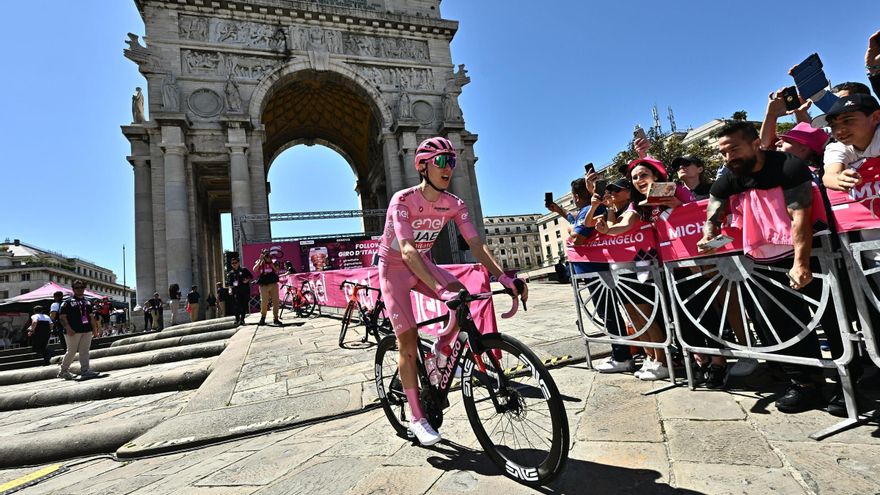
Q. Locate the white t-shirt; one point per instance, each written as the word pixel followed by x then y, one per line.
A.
pixel 41 317
pixel 848 155
pixel 56 306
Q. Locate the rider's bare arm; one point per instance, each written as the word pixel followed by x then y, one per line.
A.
pixel 481 252
pixel 416 263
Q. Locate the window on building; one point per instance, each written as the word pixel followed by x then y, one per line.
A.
pixel 516 263
pixel 503 252
pixel 513 240
pixel 528 261
pixel 518 230
pixel 4 278
pixel 525 249
pixel 25 277
pixel 558 234
pixel 545 226
pixel 4 294
pixel 538 260
pixel 507 230
pixel 501 240
pixel 547 237
pixel 555 221
pixel 496 230
pixel 513 250
pixel 525 238
pixel 504 264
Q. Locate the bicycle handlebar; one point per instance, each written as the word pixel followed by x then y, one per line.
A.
pixel 464 297
pixel 362 286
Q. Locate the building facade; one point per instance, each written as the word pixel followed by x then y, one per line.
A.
pixel 24 268
pixel 553 231
pixel 514 240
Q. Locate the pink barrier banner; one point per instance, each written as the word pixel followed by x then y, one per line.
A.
pixel 325 286
pixel 679 233
pixel 638 244
pixel 860 208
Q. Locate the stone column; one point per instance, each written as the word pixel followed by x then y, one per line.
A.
pixel 393 175
pixel 177 228
pixel 239 178
pixel 143 229
pixel 259 196
pixel 408 156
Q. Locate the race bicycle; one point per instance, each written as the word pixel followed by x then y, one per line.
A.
pixel 301 300
pixel 512 402
pixel 376 324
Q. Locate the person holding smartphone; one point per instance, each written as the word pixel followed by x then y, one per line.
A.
pixel 267 279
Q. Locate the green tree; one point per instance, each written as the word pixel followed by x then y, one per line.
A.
pixel 740 115
pixel 667 148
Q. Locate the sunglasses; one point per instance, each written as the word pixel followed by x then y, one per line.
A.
pixel 443 161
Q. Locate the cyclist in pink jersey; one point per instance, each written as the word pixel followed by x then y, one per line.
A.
pixel 415 218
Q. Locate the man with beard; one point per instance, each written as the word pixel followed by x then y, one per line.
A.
pixel 758 175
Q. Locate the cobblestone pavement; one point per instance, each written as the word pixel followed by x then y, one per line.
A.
pixel 677 441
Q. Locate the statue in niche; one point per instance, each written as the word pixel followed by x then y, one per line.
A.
pixel 404 104
pixel 233 95
pixel 279 40
pixel 137 107
pixel 451 109
pixel 170 94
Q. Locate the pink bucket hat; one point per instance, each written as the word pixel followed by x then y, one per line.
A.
pixel 807 135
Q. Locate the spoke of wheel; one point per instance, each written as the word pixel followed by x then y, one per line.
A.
pixel 711 299
pixel 633 291
pixel 724 308
pixel 770 325
pixel 871 271
pixel 785 288
pixel 635 306
pixel 742 311
pixel 702 288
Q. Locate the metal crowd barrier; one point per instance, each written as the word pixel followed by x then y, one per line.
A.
pixel 633 279
pixel 719 300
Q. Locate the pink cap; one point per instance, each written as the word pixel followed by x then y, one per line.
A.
pixel 657 165
pixel 807 135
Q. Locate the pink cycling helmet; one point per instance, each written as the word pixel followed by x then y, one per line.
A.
pixel 432 147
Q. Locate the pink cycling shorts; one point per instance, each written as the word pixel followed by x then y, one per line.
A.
pixel 396 281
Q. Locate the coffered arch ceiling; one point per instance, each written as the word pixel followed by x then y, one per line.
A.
pixel 326 108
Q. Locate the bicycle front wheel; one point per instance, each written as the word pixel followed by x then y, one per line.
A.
pixel 346 322
pixel 515 410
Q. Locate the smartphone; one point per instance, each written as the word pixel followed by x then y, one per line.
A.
pixel 601 185
pixel 809 77
pixel 548 199
pixel 790 97
pixel 588 168
pixel 639 133
pixel 718 242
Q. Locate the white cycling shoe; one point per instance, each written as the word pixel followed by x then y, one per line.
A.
pixel 424 432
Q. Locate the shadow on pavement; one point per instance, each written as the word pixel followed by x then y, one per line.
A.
pixel 577 477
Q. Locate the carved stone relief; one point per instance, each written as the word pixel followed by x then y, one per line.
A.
pixel 412 78
pixel 246 34
pixel 205 103
pixel 222 64
pixel 303 38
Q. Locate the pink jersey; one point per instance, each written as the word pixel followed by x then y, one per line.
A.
pixel 411 216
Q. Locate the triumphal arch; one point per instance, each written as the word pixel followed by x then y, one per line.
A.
pixel 233 83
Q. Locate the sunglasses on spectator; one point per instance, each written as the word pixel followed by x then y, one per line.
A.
pixel 443 161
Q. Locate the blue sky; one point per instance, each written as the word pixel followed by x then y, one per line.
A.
pixel 553 87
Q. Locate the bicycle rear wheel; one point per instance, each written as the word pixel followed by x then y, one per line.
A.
pixel 389 387
pixel 346 322
pixel 306 305
pixel 516 411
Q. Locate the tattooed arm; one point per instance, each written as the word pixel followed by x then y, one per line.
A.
pixel 716 212
pixel 799 201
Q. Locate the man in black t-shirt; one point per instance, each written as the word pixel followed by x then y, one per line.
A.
pixel 193 299
pixel 754 168
pixel 239 282
pixel 76 318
